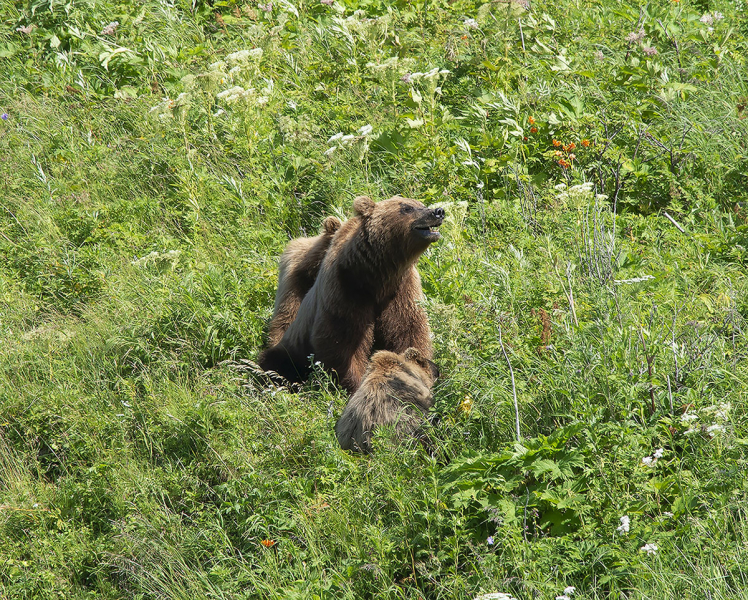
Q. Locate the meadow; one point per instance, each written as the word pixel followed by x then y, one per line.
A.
pixel 588 298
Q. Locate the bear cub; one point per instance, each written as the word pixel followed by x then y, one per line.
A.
pixel 396 390
pixel 297 272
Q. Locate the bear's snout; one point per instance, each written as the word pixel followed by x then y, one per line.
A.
pixel 439 213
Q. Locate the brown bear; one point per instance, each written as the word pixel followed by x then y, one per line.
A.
pixel 395 391
pixel 365 296
pixel 299 265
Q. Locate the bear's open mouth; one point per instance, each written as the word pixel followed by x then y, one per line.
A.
pixel 428 232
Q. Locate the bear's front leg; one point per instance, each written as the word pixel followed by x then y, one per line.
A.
pixel 403 323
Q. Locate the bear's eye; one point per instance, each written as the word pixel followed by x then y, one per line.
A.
pixel 406 208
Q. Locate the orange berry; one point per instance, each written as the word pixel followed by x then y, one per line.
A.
pixel 533 129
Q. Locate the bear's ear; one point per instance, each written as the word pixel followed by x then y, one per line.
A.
pixel 331 224
pixel 363 206
pixel 412 354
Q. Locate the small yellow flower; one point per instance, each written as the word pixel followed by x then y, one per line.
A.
pixel 466 404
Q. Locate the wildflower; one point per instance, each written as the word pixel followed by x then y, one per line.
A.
pixel 266 7
pixel 635 37
pixel 648 461
pixel 110 29
pixel 329 151
pixel 599 56
pixel 466 404
pixel 649 50
pixel 533 129
pixel 4 116
pixel 649 548
pixel 712 430
pixel 556 143
pixel 586 143
pixel 489 540
pixel 335 138
pixel 245 56
pixel 471 23
pixel 327 2
pixel 688 417
pixel 558 154
pixel 707 19
pixel 718 16
pixel 569 590
pixel 624 527
pixel 564 597
pixel 722 412
pixel 658 453
pixel 27 29
pixel 531 120
pixel 564 164
pixel 495 596
pixel 406 78
pixel 560 187
pixel 365 130
pixel 572 156
pixel 268 543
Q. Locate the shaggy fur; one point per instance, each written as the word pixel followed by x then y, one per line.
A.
pixel 299 265
pixel 365 296
pixel 395 391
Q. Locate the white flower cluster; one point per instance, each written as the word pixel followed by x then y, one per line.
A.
pixel 582 191
pixel 649 548
pixel 711 18
pixel 340 140
pixel 624 527
pixel 431 74
pixel 495 596
pixel 635 37
pixel 718 414
pixel 651 461
pixel 249 95
pixel 390 63
pixel 567 593
pixel 242 57
pixel 157 257
pixel 110 29
pixel 471 23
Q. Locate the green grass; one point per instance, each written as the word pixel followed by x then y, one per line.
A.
pixel 142 212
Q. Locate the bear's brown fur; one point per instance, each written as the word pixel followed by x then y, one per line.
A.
pixel 365 296
pixel 299 265
pixel 395 391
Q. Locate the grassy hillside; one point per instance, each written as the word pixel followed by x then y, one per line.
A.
pixel 592 157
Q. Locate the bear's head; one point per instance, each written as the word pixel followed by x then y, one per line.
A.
pixel 399 224
pixel 408 372
pixel 428 368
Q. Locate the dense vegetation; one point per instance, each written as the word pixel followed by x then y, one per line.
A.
pixel 593 160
